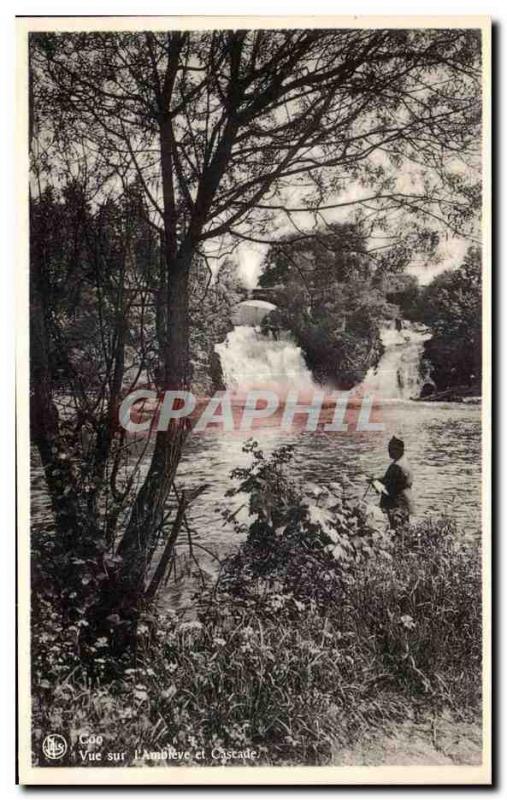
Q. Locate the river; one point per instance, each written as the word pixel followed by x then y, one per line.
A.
pixel 442 443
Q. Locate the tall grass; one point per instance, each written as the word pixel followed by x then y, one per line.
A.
pixel 321 627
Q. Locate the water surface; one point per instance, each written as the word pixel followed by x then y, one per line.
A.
pixel 442 443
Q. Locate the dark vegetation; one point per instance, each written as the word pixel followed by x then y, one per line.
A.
pixel 451 306
pixel 93 266
pixel 321 627
pixel 212 298
pixel 330 301
pixel 95 325
pixel 335 295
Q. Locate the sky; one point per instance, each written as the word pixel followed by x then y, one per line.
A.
pixel 450 254
pixel 410 179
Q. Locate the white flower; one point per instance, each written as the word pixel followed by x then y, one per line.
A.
pixel 193 625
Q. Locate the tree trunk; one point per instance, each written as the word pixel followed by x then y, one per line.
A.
pixel 165 558
pixel 173 334
pixel 123 594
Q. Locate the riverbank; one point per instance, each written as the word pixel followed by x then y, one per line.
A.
pixel 322 633
pixel 355 670
pixel 433 740
pixel 454 394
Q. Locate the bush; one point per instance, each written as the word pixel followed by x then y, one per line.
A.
pixel 451 305
pixel 321 626
pixel 329 299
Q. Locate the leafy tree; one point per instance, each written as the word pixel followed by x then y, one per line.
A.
pixel 451 305
pixel 91 325
pixel 313 263
pixel 212 299
pixel 329 300
pixel 403 291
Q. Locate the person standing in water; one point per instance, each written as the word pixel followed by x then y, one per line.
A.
pixel 396 497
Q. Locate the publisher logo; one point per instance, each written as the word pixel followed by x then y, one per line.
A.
pixel 54 746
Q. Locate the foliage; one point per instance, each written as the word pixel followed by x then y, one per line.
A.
pixel 246 119
pixel 92 290
pixel 403 290
pixel 451 305
pixel 328 290
pixel 212 299
pixel 332 256
pixel 321 627
pixel 97 273
pixel 92 268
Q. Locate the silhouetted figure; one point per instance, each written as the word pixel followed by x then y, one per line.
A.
pixel 396 497
pixel 398 324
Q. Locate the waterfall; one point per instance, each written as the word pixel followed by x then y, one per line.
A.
pixel 398 374
pixel 251 360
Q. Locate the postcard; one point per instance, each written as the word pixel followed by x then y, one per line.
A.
pixel 254 400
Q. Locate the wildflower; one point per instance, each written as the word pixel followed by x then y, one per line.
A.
pixel 169 693
pixel 276 601
pixel 193 625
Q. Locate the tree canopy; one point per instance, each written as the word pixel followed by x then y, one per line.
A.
pixel 331 299
pixel 220 125
pixel 451 305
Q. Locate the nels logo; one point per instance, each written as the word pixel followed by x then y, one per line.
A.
pixel 54 746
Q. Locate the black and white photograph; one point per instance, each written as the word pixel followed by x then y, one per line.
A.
pixel 254 400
